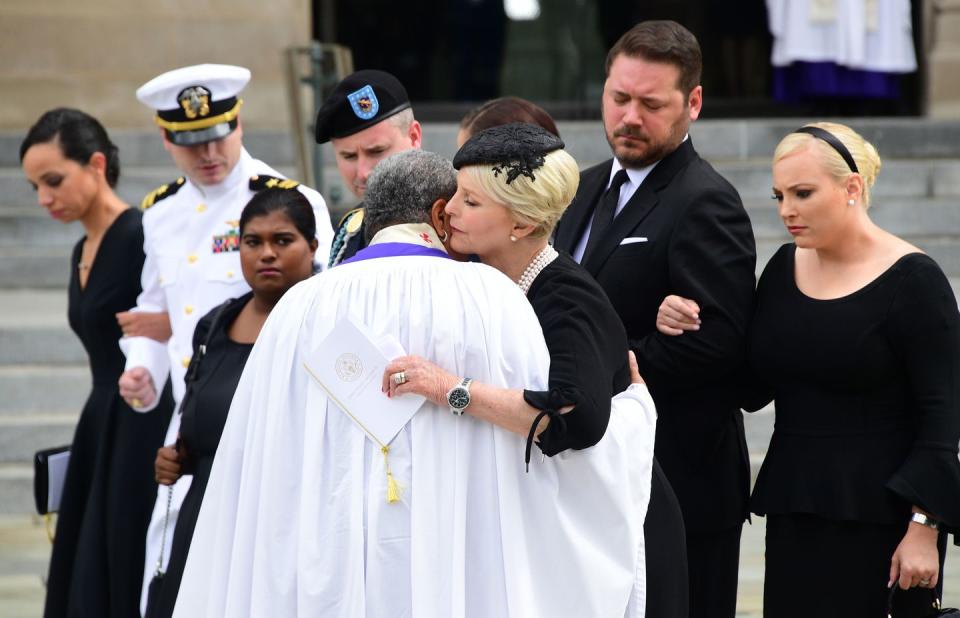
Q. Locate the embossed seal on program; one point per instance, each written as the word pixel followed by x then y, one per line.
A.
pixel 348 367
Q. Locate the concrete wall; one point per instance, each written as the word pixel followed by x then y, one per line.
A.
pixel 93 54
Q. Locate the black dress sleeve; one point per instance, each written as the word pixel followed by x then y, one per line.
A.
pixel 588 356
pixel 753 390
pixel 924 326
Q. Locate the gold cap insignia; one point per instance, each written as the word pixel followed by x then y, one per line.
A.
pixel 195 102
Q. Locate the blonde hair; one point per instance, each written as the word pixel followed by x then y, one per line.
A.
pixel 864 154
pixel 538 202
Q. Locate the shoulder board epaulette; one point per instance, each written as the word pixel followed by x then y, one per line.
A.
pixel 353 220
pixel 161 192
pixel 262 181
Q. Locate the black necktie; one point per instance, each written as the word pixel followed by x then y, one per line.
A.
pixel 604 212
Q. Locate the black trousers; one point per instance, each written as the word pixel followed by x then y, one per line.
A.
pixel 667 593
pixel 713 559
pixel 821 567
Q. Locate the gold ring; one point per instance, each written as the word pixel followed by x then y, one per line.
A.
pixel 399 378
pixel 136 403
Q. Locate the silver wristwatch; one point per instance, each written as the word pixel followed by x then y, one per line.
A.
pixel 923 520
pixel 458 397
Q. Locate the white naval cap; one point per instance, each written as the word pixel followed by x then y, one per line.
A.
pixel 196 104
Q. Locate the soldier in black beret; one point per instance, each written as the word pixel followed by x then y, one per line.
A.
pixel 366 118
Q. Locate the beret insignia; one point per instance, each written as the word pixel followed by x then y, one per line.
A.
pixel 364 102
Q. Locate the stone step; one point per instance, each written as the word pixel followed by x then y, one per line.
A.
pixel 752 178
pixel 903 215
pixel 145 148
pixel 34 267
pixel 16 489
pixel 16 475
pixel 29 389
pixel 714 139
pixel 16 479
pixel 34 329
pixel 909 217
pixel 23 226
pixel 46 267
pixel 23 435
pixel 720 141
pixel 31 308
pixel 48 346
pixel 897 179
pixel 18 202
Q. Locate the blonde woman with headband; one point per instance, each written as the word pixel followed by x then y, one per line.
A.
pixel 856 338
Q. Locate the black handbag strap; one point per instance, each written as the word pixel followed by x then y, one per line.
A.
pixel 191 374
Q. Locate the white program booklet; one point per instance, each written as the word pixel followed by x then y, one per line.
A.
pixel 349 364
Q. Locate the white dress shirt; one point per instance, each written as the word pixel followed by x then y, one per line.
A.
pixel 627 189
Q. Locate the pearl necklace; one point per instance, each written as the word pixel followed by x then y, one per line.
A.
pixel 540 261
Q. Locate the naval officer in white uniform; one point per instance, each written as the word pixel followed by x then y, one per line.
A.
pixel 191 241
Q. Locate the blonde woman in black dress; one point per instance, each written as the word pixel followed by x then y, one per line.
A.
pixel 856 338
pixel 514 183
pixel 108 493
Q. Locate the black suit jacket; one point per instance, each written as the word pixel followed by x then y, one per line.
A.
pixel 699 244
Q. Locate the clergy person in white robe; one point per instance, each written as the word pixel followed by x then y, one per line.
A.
pixel 296 520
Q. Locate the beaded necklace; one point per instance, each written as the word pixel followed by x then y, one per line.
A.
pixel 540 261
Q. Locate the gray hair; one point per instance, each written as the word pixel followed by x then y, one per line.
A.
pixel 403 187
pixel 402 119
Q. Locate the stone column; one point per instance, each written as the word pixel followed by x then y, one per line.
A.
pixel 943 59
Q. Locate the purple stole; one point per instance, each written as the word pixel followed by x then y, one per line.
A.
pixel 394 249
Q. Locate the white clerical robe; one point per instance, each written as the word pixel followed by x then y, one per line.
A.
pixel 295 521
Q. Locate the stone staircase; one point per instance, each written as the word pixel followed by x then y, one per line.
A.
pixel 43 375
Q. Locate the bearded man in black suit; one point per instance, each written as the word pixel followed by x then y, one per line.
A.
pixel 658 220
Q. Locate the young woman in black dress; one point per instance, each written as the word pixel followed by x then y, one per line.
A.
pixel 507 225
pixel 856 338
pixel 277 246
pixel 108 493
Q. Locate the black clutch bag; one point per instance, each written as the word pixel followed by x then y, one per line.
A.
pixel 935 610
pixel 49 474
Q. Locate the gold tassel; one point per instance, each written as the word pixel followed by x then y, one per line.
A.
pixel 48 520
pixel 393 487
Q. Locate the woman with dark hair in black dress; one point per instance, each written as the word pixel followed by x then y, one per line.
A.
pixel 277 246
pixel 109 489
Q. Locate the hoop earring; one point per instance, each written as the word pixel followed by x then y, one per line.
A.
pixel 444 237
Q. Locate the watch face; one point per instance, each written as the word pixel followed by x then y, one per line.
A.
pixel 459 398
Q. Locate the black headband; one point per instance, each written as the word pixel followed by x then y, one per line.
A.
pixel 835 143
